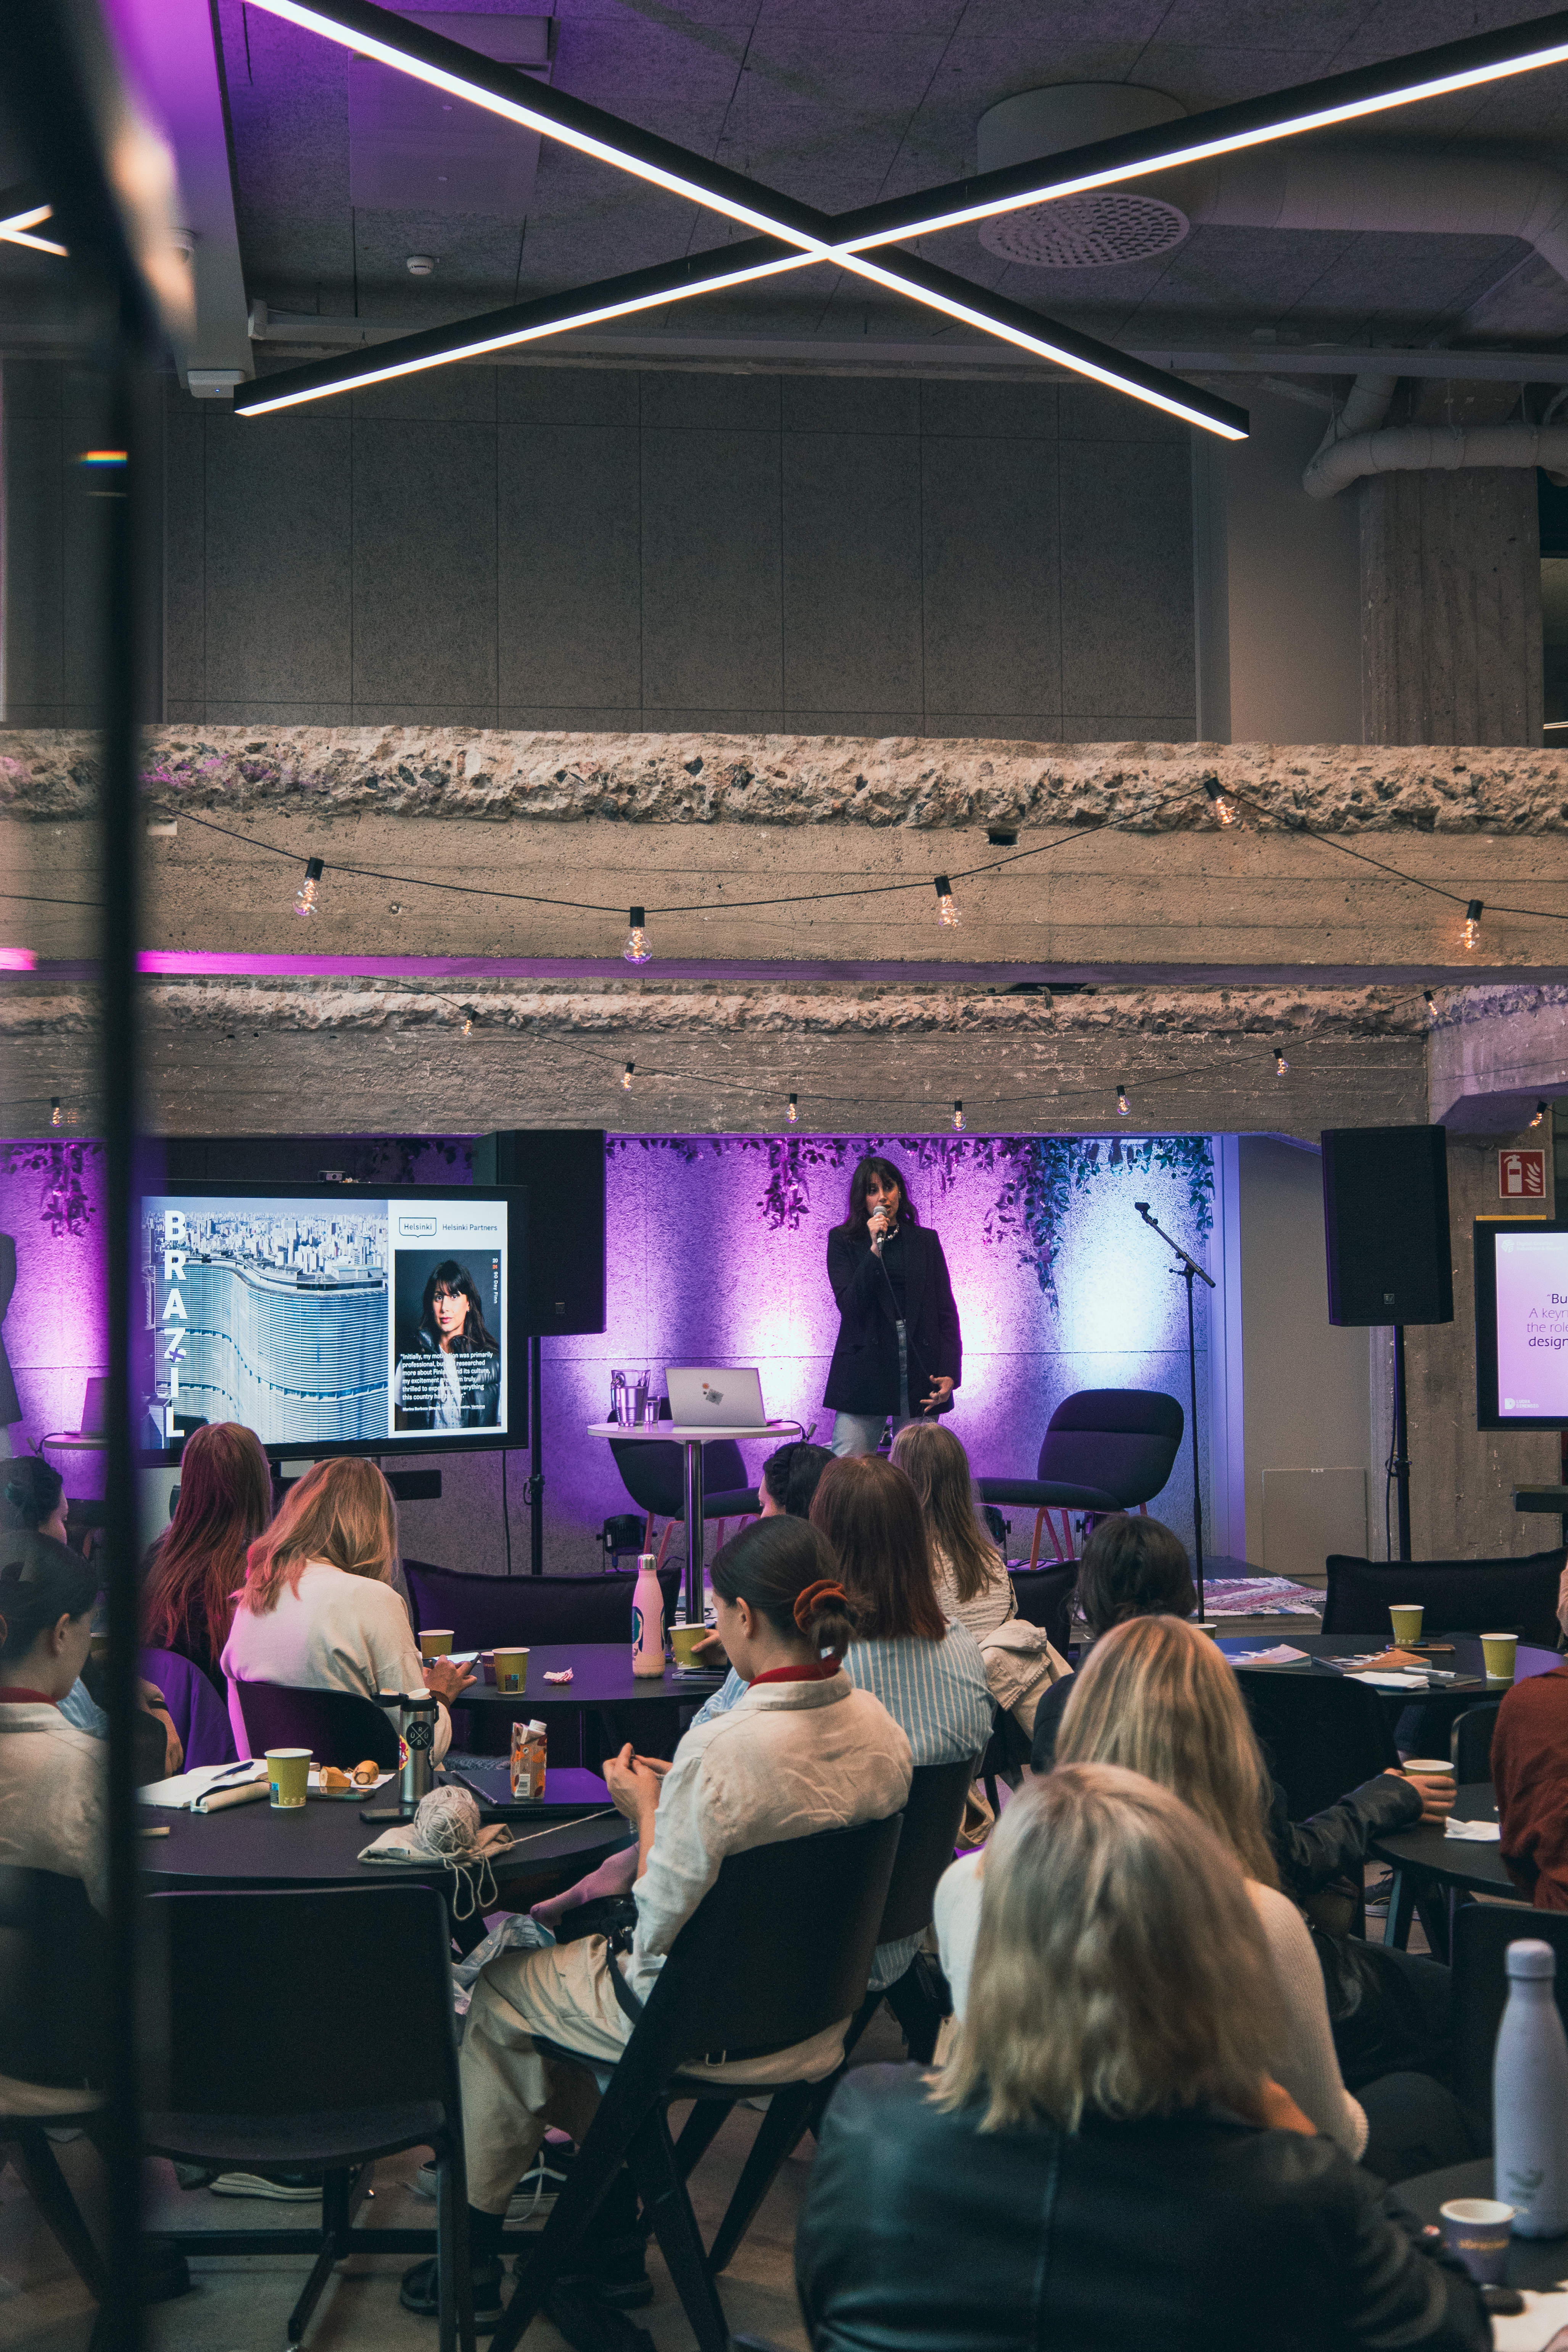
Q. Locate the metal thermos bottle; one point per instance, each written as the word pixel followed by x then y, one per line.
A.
pixel 1530 2095
pixel 418 1744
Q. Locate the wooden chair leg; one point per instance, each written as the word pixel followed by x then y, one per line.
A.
pixel 664 1542
pixel 1035 1547
pixel 782 2129
pixel 698 2132
pixel 666 2205
pixel 35 2160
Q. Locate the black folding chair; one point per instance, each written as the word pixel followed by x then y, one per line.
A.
pixel 1470 1741
pixel 778 1950
pixel 338 1727
pixel 931 1815
pixel 1321 1733
pixel 316 2054
pixel 1482 1934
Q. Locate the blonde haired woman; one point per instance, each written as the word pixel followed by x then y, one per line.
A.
pixel 1107 2162
pixel 317 1610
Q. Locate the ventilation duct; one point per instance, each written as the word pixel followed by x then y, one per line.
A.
pixel 1437 448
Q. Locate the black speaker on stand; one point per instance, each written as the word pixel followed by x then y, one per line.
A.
pixel 562 1171
pixel 1385 1223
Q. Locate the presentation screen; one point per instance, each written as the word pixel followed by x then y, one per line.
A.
pixel 331 1318
pixel 1521 1325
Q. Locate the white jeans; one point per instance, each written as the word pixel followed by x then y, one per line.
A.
pixel 861 1433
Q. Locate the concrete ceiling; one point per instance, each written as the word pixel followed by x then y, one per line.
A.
pixel 843 107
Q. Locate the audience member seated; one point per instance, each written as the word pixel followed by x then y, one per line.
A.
pixel 52 1774
pixel 317 1610
pixel 192 1576
pixel 1108 2160
pixel 801 1750
pixel 788 1483
pixel 1529 1773
pixel 35 1500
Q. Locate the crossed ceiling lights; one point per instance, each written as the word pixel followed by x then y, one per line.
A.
pixel 868 243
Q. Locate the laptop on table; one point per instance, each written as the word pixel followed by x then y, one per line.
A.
pixel 716 1396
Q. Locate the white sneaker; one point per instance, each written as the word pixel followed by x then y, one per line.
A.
pixel 535 2194
pixel 288 2188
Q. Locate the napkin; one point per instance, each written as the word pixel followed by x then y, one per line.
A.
pixel 1394 1682
pixel 1531 2329
pixel 1479 1833
pixel 1281 1654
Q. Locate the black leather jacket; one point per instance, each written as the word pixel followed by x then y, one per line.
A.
pixel 1198 2234
pixel 863 1374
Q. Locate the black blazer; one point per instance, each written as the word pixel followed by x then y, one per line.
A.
pixel 1198 2232
pixel 863 1374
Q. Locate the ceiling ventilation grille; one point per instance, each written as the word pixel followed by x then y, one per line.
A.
pixel 1088 232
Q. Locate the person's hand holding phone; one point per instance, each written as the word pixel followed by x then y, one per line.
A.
pixel 448 1677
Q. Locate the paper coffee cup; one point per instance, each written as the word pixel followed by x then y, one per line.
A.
pixel 1427 1768
pixel 512 1671
pixel 1501 1651
pixel 1406 1619
pixel 435 1642
pixel 683 1641
pixel 289 1777
pixel 1477 2229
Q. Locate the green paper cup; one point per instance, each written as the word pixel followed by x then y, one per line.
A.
pixel 512 1671
pixel 1501 1651
pixel 289 1777
pixel 435 1642
pixel 683 1641
pixel 1407 1621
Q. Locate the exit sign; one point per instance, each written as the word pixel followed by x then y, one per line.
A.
pixel 1521 1175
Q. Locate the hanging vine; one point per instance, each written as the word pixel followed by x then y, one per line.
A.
pixel 1039 1174
pixel 64 1205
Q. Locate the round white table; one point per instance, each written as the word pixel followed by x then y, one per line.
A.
pixel 680 1432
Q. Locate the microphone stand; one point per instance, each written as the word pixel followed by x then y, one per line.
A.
pixel 1190 1271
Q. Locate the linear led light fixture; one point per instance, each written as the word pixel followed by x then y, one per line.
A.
pixel 428 57
pixel 1222 130
pixel 16 228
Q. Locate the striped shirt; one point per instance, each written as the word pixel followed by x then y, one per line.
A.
pixel 936 1694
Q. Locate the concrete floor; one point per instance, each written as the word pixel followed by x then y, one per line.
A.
pixel 239 2304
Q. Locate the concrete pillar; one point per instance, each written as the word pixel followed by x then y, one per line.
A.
pixel 1450 567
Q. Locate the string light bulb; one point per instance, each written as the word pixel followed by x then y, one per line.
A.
pixel 56 1116
pixel 947 912
pixel 792 1111
pixel 958 1122
pixel 1281 1064
pixel 627 1078
pixel 1471 934
pixel 1217 800
pixel 468 1025
pixel 306 897
pixel 1123 1104
pixel 1540 1114
pixel 638 948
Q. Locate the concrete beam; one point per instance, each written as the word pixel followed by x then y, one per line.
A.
pixel 354 1057
pixel 1496 1051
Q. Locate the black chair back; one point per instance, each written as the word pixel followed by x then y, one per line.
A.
pixel 806 1913
pixel 337 1727
pixel 1459 1596
pixel 533 1610
pixel 54 1975
pixel 1045 1598
pixel 1470 1741
pixel 652 1472
pixel 1124 1441
pixel 1320 1735
pixel 1482 1934
pixel 932 1810
pixel 309 2001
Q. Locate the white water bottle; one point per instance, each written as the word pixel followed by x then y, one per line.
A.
pixel 1530 2095
pixel 648 1618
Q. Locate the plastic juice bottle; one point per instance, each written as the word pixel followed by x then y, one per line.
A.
pixel 528 1744
pixel 648 1618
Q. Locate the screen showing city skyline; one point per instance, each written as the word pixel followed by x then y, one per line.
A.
pixel 344 1320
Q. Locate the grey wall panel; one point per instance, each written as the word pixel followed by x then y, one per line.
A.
pixel 34 480
pixel 711 560
pixel 558 395
pixel 278 559
pixel 1127 551
pixel 993 611
pixel 851 571
pixel 184 553
pixel 570 582
pixel 424 563
pixel 444 395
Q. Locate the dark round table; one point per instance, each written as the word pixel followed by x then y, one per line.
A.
pixel 1467 1663
pixel 1536 2262
pixel 1423 1860
pixel 251 1845
pixel 601 1683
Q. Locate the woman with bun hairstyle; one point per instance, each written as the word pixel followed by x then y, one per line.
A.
pixel 51 1772
pixel 192 1576
pixel 801 1750
pixel 318 1611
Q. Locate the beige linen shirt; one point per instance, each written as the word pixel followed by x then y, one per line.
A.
pixel 336 1633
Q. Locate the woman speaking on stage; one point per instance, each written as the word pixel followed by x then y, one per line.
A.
pixel 899 1352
